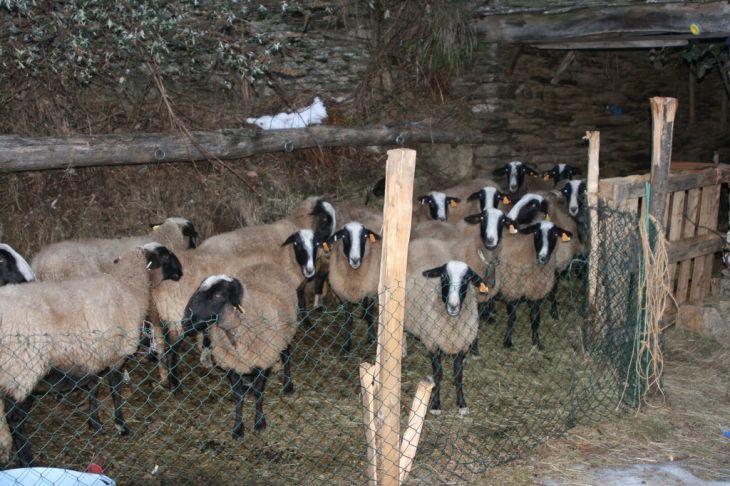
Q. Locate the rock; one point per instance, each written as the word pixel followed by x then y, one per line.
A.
pixel 707 319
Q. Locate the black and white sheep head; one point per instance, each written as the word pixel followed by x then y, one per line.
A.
pixel 379 188
pixel 212 299
pixel 545 238
pixel 489 198
pixel 561 172
pixel 491 223
pixel 455 279
pixel 528 209
pixel 186 227
pixel 13 267
pixel 515 172
pixel 355 238
pixel 325 220
pixel 438 204
pixel 159 256
pixel 304 245
pixel 574 194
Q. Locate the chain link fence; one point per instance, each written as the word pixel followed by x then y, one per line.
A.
pixel 518 397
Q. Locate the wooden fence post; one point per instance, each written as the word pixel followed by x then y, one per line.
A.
pixel 594 145
pixel 397 211
pixel 663 111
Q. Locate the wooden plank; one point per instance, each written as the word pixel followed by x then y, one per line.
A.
pixel 603 22
pixel 694 247
pixel 412 434
pixel 621 188
pixel 368 391
pixel 592 177
pixel 676 223
pixel 690 226
pixel 397 210
pixel 663 112
pixel 614 43
pixel 39 153
pixel 703 265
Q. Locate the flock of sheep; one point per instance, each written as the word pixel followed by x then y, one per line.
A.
pixel 79 307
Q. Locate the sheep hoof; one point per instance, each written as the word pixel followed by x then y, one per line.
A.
pixel 476 357
pixel 206 360
pixel 260 426
pixel 435 411
pixel 289 389
pixel 94 425
pixel 237 433
pixel 464 411
pixel 507 344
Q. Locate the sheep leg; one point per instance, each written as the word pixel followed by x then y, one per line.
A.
pixel 511 320
pixel 535 320
pixel 320 278
pixel 238 393
pixel 554 299
pixel 259 386
pixel 474 349
pixel 459 382
pixel 173 370
pixel 347 346
pixel 369 303
pixel 306 322
pixel 486 311
pixel 438 375
pixel 93 421
pixel 16 422
pixel 286 359
pixel 115 382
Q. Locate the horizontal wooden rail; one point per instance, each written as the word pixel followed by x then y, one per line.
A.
pixel 19 153
pixel 695 246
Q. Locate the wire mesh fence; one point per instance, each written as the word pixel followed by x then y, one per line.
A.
pixel 517 397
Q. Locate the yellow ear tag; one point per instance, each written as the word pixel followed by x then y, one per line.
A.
pixel 241 309
pixel 453 203
pixel 155 227
pixel 372 238
pixel 547 217
pixel 546 178
pixel 535 176
pixel 512 229
pixel 483 288
pixel 506 200
pixel 565 237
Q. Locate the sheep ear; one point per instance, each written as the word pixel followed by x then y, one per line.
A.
pixel 153 260
pixel 566 236
pixel 531 172
pixel 434 272
pixel 373 237
pixel 422 199
pixel 289 240
pixel 511 224
pixel 453 201
pixel 529 230
pixel 473 196
pixel 473 218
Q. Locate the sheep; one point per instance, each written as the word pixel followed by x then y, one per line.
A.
pixel 490 196
pixel 526 272
pixel 354 273
pixel 442 314
pixel 74 259
pixel 528 209
pixel 244 345
pixel 66 333
pixel 295 257
pixel 561 172
pixel 13 267
pixel 451 204
pixel 517 184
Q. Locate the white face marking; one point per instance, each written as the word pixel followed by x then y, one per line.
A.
pixel 307 237
pixel 561 170
pixel 456 271
pixel 489 192
pixel 331 211
pixel 440 199
pixel 23 266
pixel 544 229
pixel 491 231
pixel 212 280
pixel 179 221
pixel 512 171
pixel 573 204
pixel 524 200
pixel 355 231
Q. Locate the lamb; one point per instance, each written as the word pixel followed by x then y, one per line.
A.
pixel 295 257
pixel 66 333
pixel 73 259
pixel 561 172
pixel 526 272
pixel 13 267
pixel 517 184
pixel 354 273
pixel 246 346
pixel 529 209
pixel 441 313
pixel 451 204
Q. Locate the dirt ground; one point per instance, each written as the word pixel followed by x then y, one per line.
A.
pixel 687 431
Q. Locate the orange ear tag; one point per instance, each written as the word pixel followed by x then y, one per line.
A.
pixel 512 229
pixel 372 238
pixel 565 237
pixel 453 203
pixel 326 247
pixel 483 288
pixel 506 200
pixel 546 178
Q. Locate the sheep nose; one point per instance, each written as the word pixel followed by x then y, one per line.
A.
pixel 491 244
pixel 573 210
pixel 542 259
pixel 308 271
pixel 355 263
pixel 453 309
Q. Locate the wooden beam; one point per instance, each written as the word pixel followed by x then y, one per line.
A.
pixel 663 113
pixel 19 153
pixel 674 18
pixel 630 187
pixel 696 246
pixel 613 44
pixel 563 66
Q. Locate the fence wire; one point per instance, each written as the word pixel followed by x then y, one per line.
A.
pixel 517 397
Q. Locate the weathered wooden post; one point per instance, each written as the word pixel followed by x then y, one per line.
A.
pixel 663 111
pixel 594 145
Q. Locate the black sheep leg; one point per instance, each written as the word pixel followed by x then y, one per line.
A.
pixel 368 304
pixel 115 382
pixel 288 383
pixel 535 320
pixel 511 319
pixel 259 387
pixel 474 349
pixel 459 382
pixel 347 346
pixel 319 280
pixel 438 375
pixel 307 323
pixel 16 416
pixel 236 380
pixel 93 421
pixel 554 298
